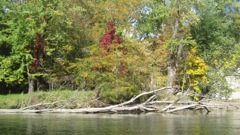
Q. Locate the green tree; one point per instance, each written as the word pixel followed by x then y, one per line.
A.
pixel 168 26
pixel 217 36
pixel 35 36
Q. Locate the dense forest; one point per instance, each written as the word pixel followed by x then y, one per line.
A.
pixel 119 48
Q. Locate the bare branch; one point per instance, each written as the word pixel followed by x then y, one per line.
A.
pixel 185 94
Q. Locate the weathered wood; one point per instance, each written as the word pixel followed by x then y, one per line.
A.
pixel 170 102
pixel 138 108
pixel 185 94
pixel 130 101
pixel 127 109
pixel 42 104
pixel 182 108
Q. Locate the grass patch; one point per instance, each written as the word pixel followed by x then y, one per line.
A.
pixel 12 101
pixel 60 98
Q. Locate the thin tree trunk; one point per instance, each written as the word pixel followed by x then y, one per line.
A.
pixel 171 75
pixel 173 62
pixel 30 84
pixel 174 56
pixel 173 66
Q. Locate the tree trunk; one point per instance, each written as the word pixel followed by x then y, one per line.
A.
pixel 175 54
pixel 171 75
pixel 30 84
pixel 173 66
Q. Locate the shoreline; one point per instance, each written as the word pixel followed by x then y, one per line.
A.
pixel 208 107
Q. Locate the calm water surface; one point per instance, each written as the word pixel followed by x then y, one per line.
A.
pixel 218 123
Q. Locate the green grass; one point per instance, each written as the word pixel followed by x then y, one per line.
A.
pixel 12 101
pixel 61 98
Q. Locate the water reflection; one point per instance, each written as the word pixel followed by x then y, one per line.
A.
pixel 114 124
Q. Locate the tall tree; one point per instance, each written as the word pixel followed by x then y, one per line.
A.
pixel 217 35
pixel 35 34
pixel 113 65
pixel 168 27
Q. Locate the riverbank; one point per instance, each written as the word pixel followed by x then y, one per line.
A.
pixel 48 99
pixel 86 102
pixel 157 106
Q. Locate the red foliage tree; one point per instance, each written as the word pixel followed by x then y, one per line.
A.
pixel 38 52
pixel 110 38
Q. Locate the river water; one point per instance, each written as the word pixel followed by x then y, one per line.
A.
pixel 188 123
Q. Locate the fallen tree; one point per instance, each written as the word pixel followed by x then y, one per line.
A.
pixel 127 107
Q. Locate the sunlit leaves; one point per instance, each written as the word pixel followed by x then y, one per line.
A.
pixel 106 73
